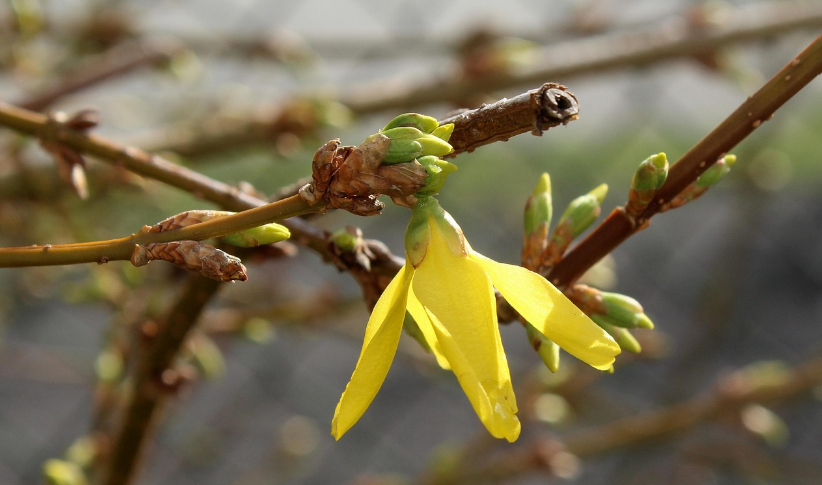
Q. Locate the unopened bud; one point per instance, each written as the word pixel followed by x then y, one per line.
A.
pixel 402 151
pixel 622 336
pixel 584 210
pixel 538 208
pixel 716 171
pixel 624 311
pixel 437 170
pixel 648 178
pixel 345 239
pixel 403 133
pixel 431 145
pixel 61 472
pixel 258 236
pixel 426 124
pixel 547 350
pixel 444 131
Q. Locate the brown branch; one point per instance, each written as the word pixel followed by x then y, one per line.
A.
pixel 154 381
pixel 664 42
pixel 116 62
pixel 533 111
pixel 729 395
pixel 736 127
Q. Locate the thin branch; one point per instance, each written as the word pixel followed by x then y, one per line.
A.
pixel 154 381
pixel 736 127
pixel 729 395
pixel 666 41
pixel 122 249
pixel 116 62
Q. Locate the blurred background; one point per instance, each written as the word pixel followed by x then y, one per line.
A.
pixel 244 91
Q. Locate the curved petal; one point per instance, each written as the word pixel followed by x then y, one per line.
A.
pixel 495 405
pixel 551 312
pixel 459 301
pixel 421 317
pixel 382 334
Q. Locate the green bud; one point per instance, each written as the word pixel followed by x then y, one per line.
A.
pixel 258 236
pixel 431 145
pixel 624 311
pixel 426 124
pixel 622 336
pixel 539 209
pixel 403 133
pixel 584 210
pixel 402 151
pixel 109 366
pixel 548 350
pixel 651 173
pixel 444 131
pixel 344 240
pixel 61 472
pixel 438 170
pixel 716 171
pixel 83 451
pixel 418 233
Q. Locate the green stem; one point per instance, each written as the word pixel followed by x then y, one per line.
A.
pixel 121 249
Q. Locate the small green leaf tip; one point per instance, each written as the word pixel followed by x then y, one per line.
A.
pixel 444 131
pixel 623 337
pixel 438 170
pixel 258 236
pixel 547 350
pixel 401 151
pixel 426 124
pixel 539 208
pixel 344 239
pixel 600 192
pixel 716 171
pixel 431 145
pixel 624 311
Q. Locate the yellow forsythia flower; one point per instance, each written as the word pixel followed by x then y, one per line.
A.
pixel 449 290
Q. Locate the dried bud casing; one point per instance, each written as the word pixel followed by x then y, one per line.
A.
pixel 192 256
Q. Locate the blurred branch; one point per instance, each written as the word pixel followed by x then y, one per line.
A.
pixel 154 380
pixel 117 61
pixel 729 395
pixel 757 109
pixel 664 42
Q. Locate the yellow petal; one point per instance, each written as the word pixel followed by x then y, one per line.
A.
pixel 421 317
pixel 551 312
pixel 459 300
pixel 382 334
pixel 495 405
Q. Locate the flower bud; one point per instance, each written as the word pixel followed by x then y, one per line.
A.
pixel 345 239
pixel 426 124
pixel 648 178
pixel 624 311
pixel 538 208
pixel 622 336
pixel 716 171
pixel 403 133
pixel 61 472
pixel 431 145
pixel 258 236
pixel 581 212
pixel 444 132
pixel 438 170
pixel 548 350
pixel 402 151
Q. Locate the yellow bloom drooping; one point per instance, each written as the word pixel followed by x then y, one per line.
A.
pixel 448 289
